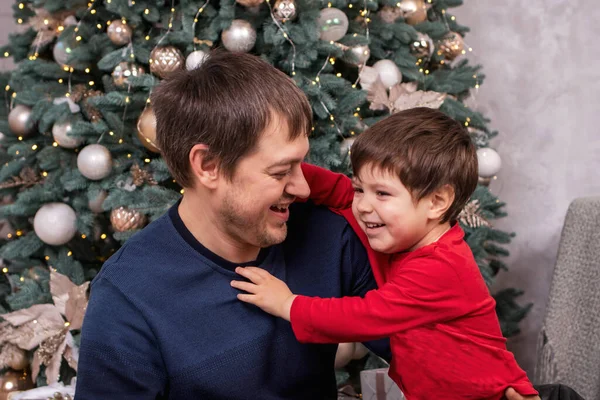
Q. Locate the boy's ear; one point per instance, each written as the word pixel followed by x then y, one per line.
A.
pixel 441 200
pixel 204 167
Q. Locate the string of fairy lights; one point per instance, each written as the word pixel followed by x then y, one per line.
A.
pixel 282 28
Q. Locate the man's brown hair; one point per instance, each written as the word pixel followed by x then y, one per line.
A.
pixel 225 104
pixel 426 149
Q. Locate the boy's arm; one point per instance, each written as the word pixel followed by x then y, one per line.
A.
pixel 328 188
pixel 422 292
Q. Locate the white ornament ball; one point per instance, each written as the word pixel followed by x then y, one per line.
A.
pixel 346 145
pixel 95 205
pixel 389 73
pixel 94 162
pixel 333 24
pixel 344 354
pixel 195 59
pixel 489 162
pixel 239 37
pixel 60 133
pixel 55 223
pixel 18 121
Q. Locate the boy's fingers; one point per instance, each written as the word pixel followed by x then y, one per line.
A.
pixel 245 286
pixel 258 271
pixel 248 273
pixel 246 298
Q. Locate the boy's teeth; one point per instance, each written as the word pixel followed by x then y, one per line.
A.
pixel 374 225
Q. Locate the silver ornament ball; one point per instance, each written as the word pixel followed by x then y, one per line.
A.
pixel 62 51
pixel 389 73
pixel 489 162
pixel 239 37
pixel 18 121
pixel 422 47
pixel 361 54
pixel 95 205
pixel 195 59
pixel 94 162
pixel 55 223
pixel 333 24
pixel 60 133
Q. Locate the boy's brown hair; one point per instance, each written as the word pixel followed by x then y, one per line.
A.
pixel 225 104
pixel 426 149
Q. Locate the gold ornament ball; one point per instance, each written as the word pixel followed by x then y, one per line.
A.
pixel 250 3
pixel 18 360
pixel 165 60
pixel 414 11
pixel 451 46
pixel 14 381
pixel 18 119
pixel 146 130
pixel 119 33
pixel 124 219
pixel 285 10
pixel 124 70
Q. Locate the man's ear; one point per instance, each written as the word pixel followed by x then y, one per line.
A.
pixel 204 167
pixel 441 200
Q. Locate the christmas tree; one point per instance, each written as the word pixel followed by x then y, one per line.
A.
pixel 80 170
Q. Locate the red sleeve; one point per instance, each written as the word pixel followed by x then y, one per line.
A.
pixel 328 188
pixel 422 291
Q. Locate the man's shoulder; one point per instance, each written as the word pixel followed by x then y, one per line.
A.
pixel 315 228
pixel 143 252
pixel 308 215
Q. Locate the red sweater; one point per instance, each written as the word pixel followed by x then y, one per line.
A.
pixel 432 303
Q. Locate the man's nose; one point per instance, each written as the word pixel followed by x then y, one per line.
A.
pixel 297 185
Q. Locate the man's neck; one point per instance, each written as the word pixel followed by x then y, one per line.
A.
pixel 206 229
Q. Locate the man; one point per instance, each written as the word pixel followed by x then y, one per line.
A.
pixel 163 321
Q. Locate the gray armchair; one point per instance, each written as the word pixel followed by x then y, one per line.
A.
pixel 569 346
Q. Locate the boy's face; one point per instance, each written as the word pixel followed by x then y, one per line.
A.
pixel 387 213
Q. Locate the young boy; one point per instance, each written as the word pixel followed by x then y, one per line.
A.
pixel 413 173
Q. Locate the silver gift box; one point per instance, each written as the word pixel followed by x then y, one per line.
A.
pixel 377 385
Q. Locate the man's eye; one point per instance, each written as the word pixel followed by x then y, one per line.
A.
pixel 281 175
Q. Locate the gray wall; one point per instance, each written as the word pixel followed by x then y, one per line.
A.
pixel 542 94
pixel 7 25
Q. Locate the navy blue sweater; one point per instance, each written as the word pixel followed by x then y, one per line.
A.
pixel 163 321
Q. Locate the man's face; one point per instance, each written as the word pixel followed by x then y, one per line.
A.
pixel 254 204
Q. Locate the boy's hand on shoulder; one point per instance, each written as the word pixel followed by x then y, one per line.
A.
pixel 265 291
pixel 512 394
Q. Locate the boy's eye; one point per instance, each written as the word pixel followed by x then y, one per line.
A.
pixel 357 190
pixel 380 193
